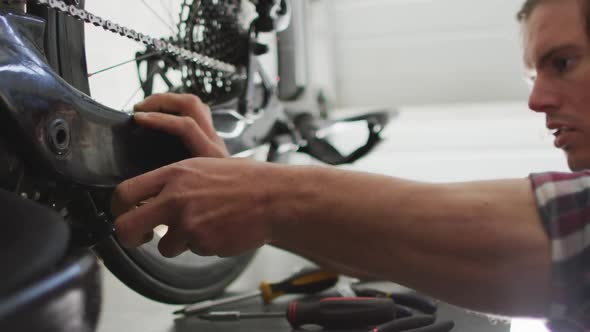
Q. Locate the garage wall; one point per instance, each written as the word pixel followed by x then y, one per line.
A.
pixel 401 52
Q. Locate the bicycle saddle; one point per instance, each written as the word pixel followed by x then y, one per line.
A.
pixel 43 287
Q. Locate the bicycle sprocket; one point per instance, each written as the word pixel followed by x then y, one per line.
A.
pixel 213 28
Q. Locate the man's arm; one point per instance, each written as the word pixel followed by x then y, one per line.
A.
pixel 479 245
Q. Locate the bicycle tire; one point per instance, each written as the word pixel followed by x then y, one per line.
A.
pixel 142 269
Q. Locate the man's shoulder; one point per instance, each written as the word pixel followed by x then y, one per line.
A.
pixel 563 201
pixel 553 187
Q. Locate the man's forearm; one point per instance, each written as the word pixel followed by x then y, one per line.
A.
pixel 478 245
pixel 328 264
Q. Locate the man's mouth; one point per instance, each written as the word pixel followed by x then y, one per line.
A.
pixel 561 136
pixel 560 130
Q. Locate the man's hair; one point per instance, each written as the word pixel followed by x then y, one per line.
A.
pixel 529 6
pixel 527 9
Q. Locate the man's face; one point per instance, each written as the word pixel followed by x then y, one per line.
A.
pixel 556 50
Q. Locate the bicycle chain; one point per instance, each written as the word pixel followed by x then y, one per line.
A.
pixel 158 44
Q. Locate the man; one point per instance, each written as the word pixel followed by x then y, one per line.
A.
pixel 512 247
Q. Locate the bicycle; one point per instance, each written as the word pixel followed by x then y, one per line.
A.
pixel 74 150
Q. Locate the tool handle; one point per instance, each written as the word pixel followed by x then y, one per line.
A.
pixel 402 324
pixel 412 300
pixel 416 301
pixel 307 281
pixel 340 312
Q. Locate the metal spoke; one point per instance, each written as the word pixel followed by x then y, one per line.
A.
pixel 141 86
pixel 158 16
pixel 131 98
pixel 167 7
pixel 145 56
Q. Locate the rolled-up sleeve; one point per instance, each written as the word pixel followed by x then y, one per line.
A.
pixel 563 201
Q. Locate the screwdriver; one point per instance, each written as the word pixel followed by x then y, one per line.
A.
pixel 307 281
pixel 329 313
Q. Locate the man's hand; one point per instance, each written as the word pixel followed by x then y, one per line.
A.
pixel 211 207
pixel 186 117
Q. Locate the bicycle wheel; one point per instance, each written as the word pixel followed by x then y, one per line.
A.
pixel 211 28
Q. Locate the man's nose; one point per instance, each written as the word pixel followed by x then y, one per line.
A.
pixel 543 97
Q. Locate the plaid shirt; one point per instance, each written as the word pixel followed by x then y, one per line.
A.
pixel 563 201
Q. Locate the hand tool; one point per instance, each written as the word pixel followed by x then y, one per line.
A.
pixel 329 313
pixel 415 324
pixel 411 300
pixel 401 324
pixel 402 311
pixel 307 281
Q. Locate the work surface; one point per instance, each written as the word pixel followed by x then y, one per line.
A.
pixel 125 310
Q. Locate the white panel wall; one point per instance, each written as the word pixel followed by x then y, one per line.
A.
pixel 400 52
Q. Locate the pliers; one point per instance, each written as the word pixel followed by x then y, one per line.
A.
pixel 415 313
pixel 408 303
pixel 418 323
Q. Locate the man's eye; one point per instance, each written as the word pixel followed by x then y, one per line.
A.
pixel 563 64
pixel 530 79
